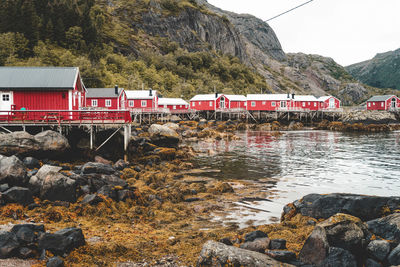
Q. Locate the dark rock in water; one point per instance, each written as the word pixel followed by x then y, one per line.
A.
pixel 63 241
pixel 339 257
pixel 394 256
pixel 254 235
pixel 258 245
pixel 12 171
pixel 57 186
pixel 8 244
pixel 26 253
pixel 27 233
pixel 31 163
pixel 378 249
pixel 387 227
pixel 108 191
pixel 55 262
pixel 218 254
pixel 324 206
pixel 20 195
pixel 342 231
pixel 92 199
pixel 372 263
pixel 120 165
pixel 4 187
pixel 95 167
pixel 278 244
pixel 281 255
pixel 226 241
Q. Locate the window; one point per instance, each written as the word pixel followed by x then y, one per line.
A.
pixel 273 104
pixel 245 104
pixel 283 104
pixel 315 104
pixel 131 103
pixel 369 104
pixel 304 104
pixel 263 102
pixel 6 97
pixel 211 104
pixel 308 103
pixel 253 103
pixel 382 105
pixel 144 103
pixel 173 107
pixel 373 103
pixel 94 103
pixel 165 106
pixel 193 104
pixel 108 102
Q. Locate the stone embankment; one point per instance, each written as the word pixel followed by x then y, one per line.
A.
pixel 347 230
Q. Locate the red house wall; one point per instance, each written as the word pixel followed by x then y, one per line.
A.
pixel 137 103
pixel 310 105
pixel 101 102
pixel 203 105
pixel 266 105
pixel 325 104
pixel 238 104
pixel 386 104
pixel 41 100
pixel 177 107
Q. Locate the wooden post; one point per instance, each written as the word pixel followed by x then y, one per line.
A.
pixel 126 142
pixel 91 137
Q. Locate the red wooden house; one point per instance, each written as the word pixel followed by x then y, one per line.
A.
pixel 329 102
pixel 217 102
pixel 307 102
pixel 41 88
pixel 106 98
pixel 145 100
pixel 173 104
pixel 383 102
pixel 236 101
pixel 269 102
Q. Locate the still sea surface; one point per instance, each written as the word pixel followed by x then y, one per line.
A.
pixel 303 162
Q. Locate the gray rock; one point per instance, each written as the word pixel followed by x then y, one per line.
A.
pixel 339 257
pixel 92 199
pixel 20 195
pixel 281 255
pixel 378 249
pixel 361 206
pixel 57 186
pixel 95 167
pixel 218 254
pixel 387 227
pixel 254 235
pixel 394 256
pixel 258 245
pixel 52 141
pixel 278 244
pixel 114 180
pixel 63 241
pixel 108 191
pixel 12 171
pixel 172 126
pixel 36 181
pixel 25 253
pixel 8 244
pixel 120 165
pixel 125 194
pixel 164 136
pixel 18 143
pixel 372 263
pixel 55 262
pixel 4 187
pixel 27 233
pixel 31 163
pixel 226 241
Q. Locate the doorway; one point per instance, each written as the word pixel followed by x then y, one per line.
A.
pixel 222 102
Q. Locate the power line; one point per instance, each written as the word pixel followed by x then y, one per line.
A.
pixel 289 10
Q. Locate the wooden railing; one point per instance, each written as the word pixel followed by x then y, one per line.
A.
pixel 47 117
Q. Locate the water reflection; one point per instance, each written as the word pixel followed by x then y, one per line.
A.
pixel 305 162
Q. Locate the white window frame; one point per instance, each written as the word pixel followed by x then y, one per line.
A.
pixel 193 104
pixel 273 104
pixel 131 103
pixel 6 97
pixel 283 104
pixel 369 104
pixel 373 103
pixel 211 103
pixel 174 107
pixel 304 104
pixel 143 103
pixel 253 103
pixel 264 103
pixel 95 103
pixel 108 103
pixel 315 104
pixel 382 104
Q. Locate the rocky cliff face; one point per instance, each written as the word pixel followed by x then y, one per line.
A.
pixel 383 71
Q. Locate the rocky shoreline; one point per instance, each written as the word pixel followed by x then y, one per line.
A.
pixel 156 210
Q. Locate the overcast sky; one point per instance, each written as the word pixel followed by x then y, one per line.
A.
pixel 349 31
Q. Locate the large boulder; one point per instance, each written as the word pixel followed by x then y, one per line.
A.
pixel 8 244
pixel 164 136
pixel 12 171
pixel 62 242
pixel 218 254
pixel 387 227
pixel 394 256
pixel 258 245
pixel 18 143
pixel 36 181
pixel 20 195
pixel 52 141
pixel 324 206
pixel 378 249
pixel 31 162
pixel 96 167
pixel 342 231
pixel 27 234
pixel 339 257
pixel 57 186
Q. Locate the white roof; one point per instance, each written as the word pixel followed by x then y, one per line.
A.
pixel 172 101
pixel 266 97
pixel 203 97
pixel 140 94
pixel 305 98
pixel 236 97
pixel 324 98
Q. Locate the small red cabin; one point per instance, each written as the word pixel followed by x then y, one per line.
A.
pixel 172 104
pixel 236 101
pixel 106 98
pixel 383 102
pixel 269 102
pixel 145 100
pixel 307 102
pixel 329 102
pixel 217 102
pixel 41 88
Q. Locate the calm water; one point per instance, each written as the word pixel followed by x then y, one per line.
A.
pixel 303 162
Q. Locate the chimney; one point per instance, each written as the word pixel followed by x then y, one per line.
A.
pixel 116 89
pixel 288 95
pixel 292 95
pixel 216 95
pixel 150 92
